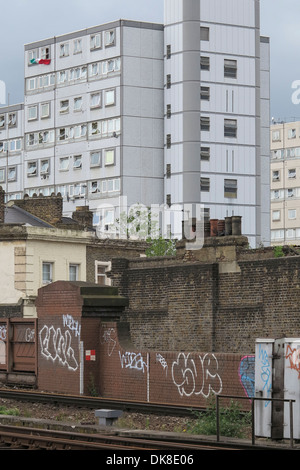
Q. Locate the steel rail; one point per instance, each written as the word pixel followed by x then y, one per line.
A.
pixel 98 402
pixel 53 440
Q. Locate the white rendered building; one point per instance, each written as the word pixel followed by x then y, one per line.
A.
pixel 11 150
pixel 94 117
pixel 217 111
pixel 174 114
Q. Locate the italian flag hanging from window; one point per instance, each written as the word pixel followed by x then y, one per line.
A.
pixel 40 61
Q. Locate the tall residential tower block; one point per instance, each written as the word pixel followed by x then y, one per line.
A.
pixel 217 111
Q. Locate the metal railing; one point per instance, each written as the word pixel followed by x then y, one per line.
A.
pixel 253 399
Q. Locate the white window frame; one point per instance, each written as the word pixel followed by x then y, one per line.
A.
pixel 12 173
pixel 96 100
pixel 77 271
pixel 77 162
pixel 2 175
pixel 64 106
pixel 49 278
pixel 292 214
pixel 45 110
pixel 77 46
pixel 78 103
pixel 96 41
pixel 110 97
pixel 110 37
pixel 107 267
pixel 64 163
pixel 276 215
pixel 109 157
pixel 32 113
pixel 64 49
pixel 97 161
pixel 34 165
pixel 45 166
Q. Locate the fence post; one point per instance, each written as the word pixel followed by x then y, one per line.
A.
pixel 253 420
pixel 217 417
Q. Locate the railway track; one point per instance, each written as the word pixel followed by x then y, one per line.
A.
pixel 28 438
pixel 96 402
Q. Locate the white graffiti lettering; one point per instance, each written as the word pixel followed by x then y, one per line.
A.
pixel 162 361
pixel 57 347
pixel 107 337
pixel 3 332
pixel 131 360
pixel 29 335
pixel 201 379
pixel 73 325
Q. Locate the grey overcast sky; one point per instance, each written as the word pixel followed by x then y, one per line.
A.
pixel 25 21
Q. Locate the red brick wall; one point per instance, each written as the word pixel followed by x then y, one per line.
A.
pixel 59 326
pixel 185 378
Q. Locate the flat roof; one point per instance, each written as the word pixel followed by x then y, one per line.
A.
pixel 93 30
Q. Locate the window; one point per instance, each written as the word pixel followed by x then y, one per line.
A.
pixel 45 165
pixel 205 123
pixel 109 38
pixel 204 33
pixel 95 187
pixel 204 63
pixel 276 136
pixel 168 51
pixel 32 169
pixel 12 119
pixel 77 162
pixel 77 104
pixel 96 41
pixel 230 128
pixel 292 214
pixel 2 121
pixel 168 81
pixel 64 50
pixel 73 272
pixel 45 110
pixel 205 153
pixel 292 173
pixel 64 106
pixel 168 200
pixel 63 134
pixel 32 113
pixel 277 234
pixel 95 100
pixel 275 175
pixel 230 68
pixel 77 46
pixel 291 133
pixel 12 173
pixel 205 93
pixel 230 188
pixel 95 159
pixel 168 111
pixel 2 175
pixel 45 53
pixel 109 157
pixel 169 141
pixel 64 164
pixel 47 272
pixel 291 192
pixel 168 170
pixel 276 215
pixel 205 184
pixel 101 270
pixel 109 99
